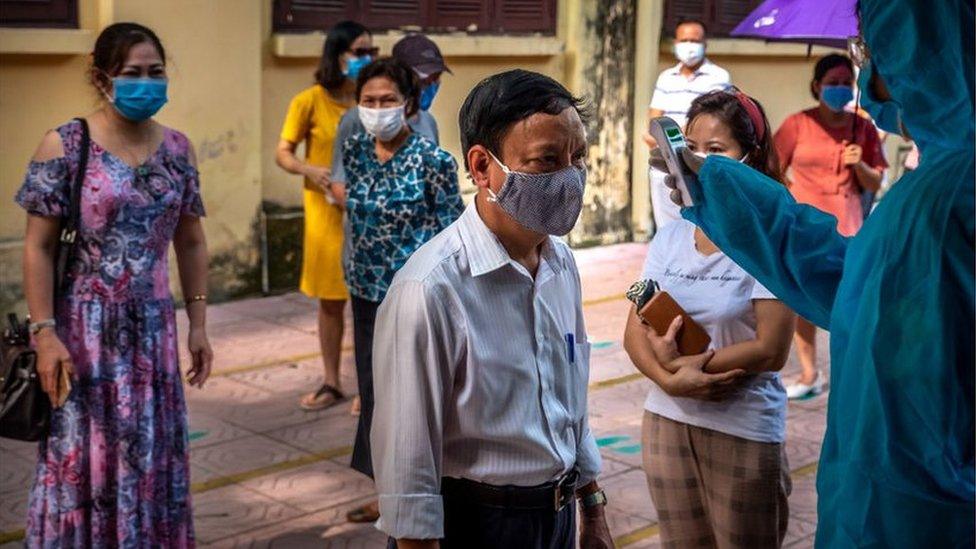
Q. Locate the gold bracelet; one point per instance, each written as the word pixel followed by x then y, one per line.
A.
pixel 194 299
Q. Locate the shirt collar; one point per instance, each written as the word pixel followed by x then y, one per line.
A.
pixel 704 68
pixel 485 252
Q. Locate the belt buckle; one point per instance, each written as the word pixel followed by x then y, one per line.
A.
pixel 564 490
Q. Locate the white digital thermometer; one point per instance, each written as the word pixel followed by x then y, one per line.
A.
pixel 671 141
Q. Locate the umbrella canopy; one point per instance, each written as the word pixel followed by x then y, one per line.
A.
pixel 822 22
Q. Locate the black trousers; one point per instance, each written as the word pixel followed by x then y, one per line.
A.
pixel 363 319
pixel 469 525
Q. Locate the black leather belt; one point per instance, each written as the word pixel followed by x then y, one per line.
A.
pixel 552 495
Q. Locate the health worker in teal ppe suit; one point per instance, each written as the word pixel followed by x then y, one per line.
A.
pixel 897 467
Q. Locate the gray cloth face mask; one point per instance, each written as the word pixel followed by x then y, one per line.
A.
pixel 547 203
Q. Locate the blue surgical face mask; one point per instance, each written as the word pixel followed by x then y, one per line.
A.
pixel 836 97
pixel 356 64
pixel 138 99
pixel 886 114
pixel 427 95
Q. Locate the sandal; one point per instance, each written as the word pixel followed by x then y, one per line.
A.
pixel 367 513
pixel 326 397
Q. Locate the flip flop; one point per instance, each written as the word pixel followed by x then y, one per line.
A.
pixel 319 402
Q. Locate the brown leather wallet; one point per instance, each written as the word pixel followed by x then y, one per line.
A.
pixel 661 310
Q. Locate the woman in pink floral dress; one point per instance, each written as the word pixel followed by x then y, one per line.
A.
pixel 113 470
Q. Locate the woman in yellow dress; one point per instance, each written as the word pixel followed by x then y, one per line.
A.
pixel 313 117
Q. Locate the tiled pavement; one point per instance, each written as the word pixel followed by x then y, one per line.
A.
pixel 268 474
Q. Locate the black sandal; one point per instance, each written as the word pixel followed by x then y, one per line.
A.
pixel 320 403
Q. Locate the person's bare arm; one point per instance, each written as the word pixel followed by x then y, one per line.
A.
pixel 286 160
pixel 648 139
pixel 688 379
pixel 767 352
pixel 40 252
pixel 868 178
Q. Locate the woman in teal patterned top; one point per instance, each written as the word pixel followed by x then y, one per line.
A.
pixel 401 190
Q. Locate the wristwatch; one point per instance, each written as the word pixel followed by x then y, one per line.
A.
pixel 36 327
pixel 593 499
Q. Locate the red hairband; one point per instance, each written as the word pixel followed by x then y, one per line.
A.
pixel 754 114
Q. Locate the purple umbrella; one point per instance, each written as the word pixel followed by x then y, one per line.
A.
pixel 822 22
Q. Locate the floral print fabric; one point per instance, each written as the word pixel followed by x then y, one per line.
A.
pixel 114 470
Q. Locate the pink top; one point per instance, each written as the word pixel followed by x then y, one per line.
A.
pixel 818 177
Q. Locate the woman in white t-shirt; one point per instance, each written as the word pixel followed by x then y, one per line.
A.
pixel 715 424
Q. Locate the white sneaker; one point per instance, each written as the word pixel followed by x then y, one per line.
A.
pixel 799 390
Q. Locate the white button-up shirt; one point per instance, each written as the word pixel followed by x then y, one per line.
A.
pixel 674 91
pixel 480 372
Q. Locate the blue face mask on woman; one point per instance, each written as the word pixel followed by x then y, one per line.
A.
pixel 886 114
pixel 836 97
pixel 138 99
pixel 427 95
pixel 356 64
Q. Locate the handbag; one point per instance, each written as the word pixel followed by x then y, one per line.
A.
pixel 25 409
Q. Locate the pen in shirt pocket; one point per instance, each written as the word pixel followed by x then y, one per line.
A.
pixel 571 348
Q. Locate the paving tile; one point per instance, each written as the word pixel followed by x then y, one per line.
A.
pixel 628 492
pixel 326 528
pixel 652 542
pixel 320 434
pixel 15 473
pixel 803 499
pixel 207 430
pixel 13 510
pixel 230 511
pixel 804 543
pixel 254 341
pixel 314 487
pixel 244 454
pixel 300 377
pixel 798 531
pixel 613 467
pixel 26 450
pixel 622 523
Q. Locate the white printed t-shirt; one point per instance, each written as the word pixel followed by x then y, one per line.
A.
pixel 718 295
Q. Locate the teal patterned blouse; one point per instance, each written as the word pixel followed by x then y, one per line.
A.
pixel 393 208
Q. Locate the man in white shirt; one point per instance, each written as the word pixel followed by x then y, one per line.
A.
pixel 480 435
pixel 676 88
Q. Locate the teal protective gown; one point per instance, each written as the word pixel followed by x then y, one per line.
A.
pixel 897 465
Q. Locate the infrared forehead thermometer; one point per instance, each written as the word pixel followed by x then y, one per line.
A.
pixel 670 140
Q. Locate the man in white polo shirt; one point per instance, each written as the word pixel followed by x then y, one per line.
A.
pixel 676 88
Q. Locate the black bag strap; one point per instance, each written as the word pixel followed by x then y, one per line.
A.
pixel 69 227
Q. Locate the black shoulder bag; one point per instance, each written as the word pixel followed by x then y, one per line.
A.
pixel 25 410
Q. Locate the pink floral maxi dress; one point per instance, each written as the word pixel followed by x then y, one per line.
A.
pixel 114 470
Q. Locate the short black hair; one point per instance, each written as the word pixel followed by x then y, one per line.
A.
pixel 501 100
pixel 402 76
pixel 339 40
pixel 824 65
pixel 694 20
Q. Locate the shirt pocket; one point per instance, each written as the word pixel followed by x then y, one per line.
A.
pixel 581 377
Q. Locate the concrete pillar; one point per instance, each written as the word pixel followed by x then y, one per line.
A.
pixel 650 16
pixel 603 73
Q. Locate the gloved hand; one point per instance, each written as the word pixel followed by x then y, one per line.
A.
pixel 690 159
